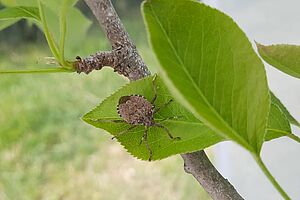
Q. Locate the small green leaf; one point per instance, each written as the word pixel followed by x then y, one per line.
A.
pixel 11 15
pixel 58 5
pixel 6 23
pixel 284 57
pixel 7 3
pixel 10 3
pixel 211 67
pixel 278 125
pixel 67 16
pixel 77 26
pixel 55 5
pixel 48 34
pixel 19 12
pixel 194 134
pixel 279 121
pixel 290 118
pixel 63 36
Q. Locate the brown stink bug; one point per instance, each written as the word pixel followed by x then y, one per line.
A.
pixel 136 110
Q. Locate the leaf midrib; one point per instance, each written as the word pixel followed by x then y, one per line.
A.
pixel 172 121
pixel 243 141
pixel 29 13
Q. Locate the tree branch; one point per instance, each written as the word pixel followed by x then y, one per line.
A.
pixel 125 60
pixel 207 175
pixel 124 57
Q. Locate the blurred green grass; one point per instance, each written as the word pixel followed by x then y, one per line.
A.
pixel 47 152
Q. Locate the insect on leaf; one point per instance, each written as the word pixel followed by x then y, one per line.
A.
pixel 194 134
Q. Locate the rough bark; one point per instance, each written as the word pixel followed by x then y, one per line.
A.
pixel 207 175
pixel 125 60
pixel 124 57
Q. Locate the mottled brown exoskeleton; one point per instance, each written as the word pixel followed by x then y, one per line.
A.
pixel 137 110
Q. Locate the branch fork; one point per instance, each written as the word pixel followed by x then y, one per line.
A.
pixel 124 57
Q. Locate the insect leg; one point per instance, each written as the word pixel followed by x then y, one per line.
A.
pixel 154 89
pixel 125 131
pixel 167 131
pixel 145 139
pixel 163 106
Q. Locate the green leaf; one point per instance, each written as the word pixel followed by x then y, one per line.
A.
pixel 290 118
pixel 64 10
pixel 11 15
pixel 284 57
pixel 279 121
pixel 10 3
pixel 7 3
pixel 6 23
pixel 194 134
pixel 210 66
pixel 55 5
pixel 48 34
pixel 77 26
pixel 278 125
pixel 58 5
pixel 19 12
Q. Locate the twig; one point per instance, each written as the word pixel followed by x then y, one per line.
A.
pixel 125 60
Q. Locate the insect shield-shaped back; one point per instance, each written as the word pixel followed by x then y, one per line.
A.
pixel 136 110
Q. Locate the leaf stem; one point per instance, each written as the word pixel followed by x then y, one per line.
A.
pixel 35 71
pixel 48 35
pixel 294 137
pixel 287 134
pixel 270 177
pixel 63 30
